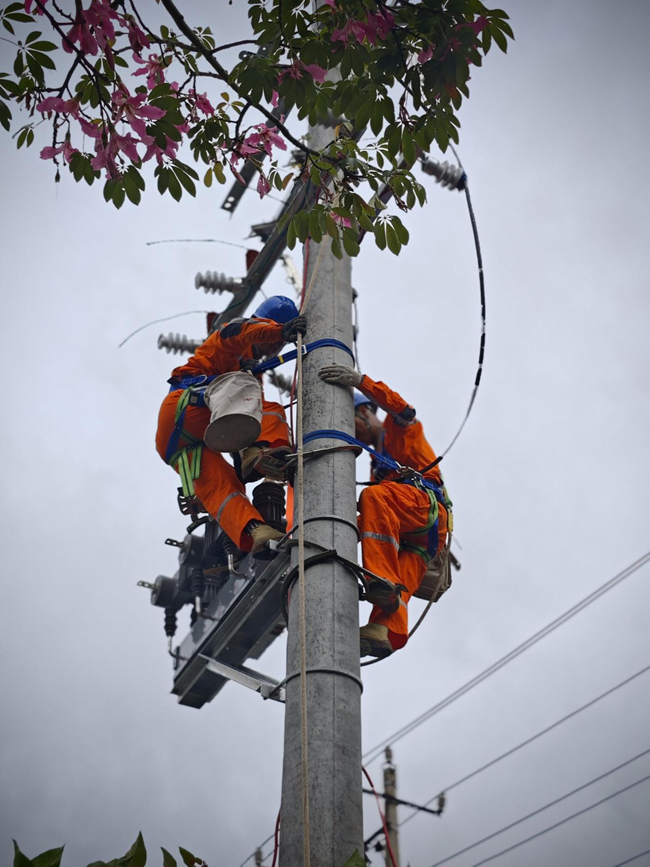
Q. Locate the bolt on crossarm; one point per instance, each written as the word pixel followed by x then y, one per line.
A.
pixel 335 818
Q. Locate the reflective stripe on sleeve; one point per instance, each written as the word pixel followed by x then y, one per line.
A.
pixel 381 538
pixel 226 501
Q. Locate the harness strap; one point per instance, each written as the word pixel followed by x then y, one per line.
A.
pixel 270 364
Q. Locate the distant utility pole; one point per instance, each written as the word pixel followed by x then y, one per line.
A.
pixel 332 600
pixel 390 808
pixel 258 858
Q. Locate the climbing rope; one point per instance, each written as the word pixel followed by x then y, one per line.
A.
pixel 300 484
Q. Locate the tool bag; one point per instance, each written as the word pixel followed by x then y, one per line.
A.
pixel 235 403
pixel 437 578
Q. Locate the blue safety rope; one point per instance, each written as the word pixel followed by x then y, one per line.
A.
pixel 270 364
pixel 382 460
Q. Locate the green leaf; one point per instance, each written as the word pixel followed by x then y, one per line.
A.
pixel 187 182
pixel 174 186
pixel 355 860
pixel 136 856
pixel 392 240
pixel 168 860
pixel 207 178
pixel 401 230
pixel 219 173
pixel 118 197
pixel 408 148
pixel 380 234
pixel 189 859
pixel 131 189
pixel 32 36
pixel 109 190
pixel 43 46
pixel 21 860
pixel 314 227
pixel 499 38
pixel 336 248
pixel 291 236
pixel 350 243
pixel 21 139
pixel 51 858
pixel 163 180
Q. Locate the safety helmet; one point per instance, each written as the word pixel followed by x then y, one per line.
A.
pixel 362 400
pixel 279 308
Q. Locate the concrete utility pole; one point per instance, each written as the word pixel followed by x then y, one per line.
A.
pixel 390 807
pixel 332 601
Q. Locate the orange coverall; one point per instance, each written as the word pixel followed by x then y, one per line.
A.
pixel 218 486
pixel 392 512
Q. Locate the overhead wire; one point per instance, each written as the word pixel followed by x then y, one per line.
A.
pixel 635 858
pixel 563 821
pixel 156 321
pixel 376 751
pixel 542 809
pixel 531 740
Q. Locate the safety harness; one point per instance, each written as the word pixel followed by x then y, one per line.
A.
pixel 407 476
pixel 187 460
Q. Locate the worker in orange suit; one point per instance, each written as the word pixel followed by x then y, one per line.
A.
pixel 238 345
pixel 403 524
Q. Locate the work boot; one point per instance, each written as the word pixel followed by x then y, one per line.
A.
pixel 249 457
pixel 374 641
pixel 384 594
pixel 261 534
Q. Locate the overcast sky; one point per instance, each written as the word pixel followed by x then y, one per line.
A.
pixel 550 482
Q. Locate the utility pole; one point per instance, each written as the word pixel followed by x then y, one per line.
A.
pixel 258 857
pixel 390 808
pixel 332 600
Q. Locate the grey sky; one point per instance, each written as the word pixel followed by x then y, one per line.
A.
pixel 550 482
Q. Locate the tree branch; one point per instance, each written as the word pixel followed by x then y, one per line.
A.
pixel 222 73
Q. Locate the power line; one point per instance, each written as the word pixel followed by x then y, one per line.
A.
pixel 252 855
pixel 541 809
pixel 636 858
pixel 376 751
pixel 531 739
pixel 562 822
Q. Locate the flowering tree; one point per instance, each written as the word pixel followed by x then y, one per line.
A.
pixel 126 94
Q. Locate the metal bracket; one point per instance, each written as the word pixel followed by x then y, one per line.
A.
pixel 266 686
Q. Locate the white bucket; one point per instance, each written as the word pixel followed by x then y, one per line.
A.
pixel 235 403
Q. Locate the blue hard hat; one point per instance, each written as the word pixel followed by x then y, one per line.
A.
pixel 279 308
pixel 362 400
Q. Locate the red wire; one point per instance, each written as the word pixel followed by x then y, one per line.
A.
pixel 381 813
pixel 277 839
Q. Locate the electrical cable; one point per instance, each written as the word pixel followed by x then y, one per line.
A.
pixel 252 855
pixel 197 241
pixel 563 821
pixel 530 740
pixel 156 321
pixel 541 809
pixel 381 813
pixel 276 838
pixel 376 751
pixel 635 858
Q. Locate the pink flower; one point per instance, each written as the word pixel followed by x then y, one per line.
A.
pixel 275 96
pixel 80 32
pixel 263 140
pixel 94 130
pixel 331 3
pixel 107 154
pixel 378 26
pixel 316 72
pixel 137 38
pixel 263 186
pixel 66 148
pixel 235 172
pixel 479 25
pixel 37 10
pixel 63 106
pixel 152 68
pixel 202 102
pixel 425 54
pixel 133 111
pixel 342 221
pixel 100 16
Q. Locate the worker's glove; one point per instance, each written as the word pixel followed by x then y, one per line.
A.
pixel 248 364
pixel 341 374
pixel 294 327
